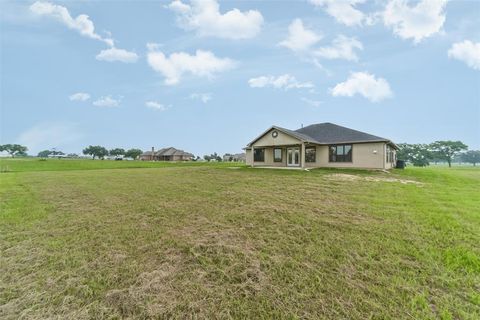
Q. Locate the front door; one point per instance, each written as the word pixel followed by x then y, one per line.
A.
pixel 293 157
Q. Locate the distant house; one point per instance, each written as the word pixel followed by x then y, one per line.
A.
pixel 166 154
pixel 320 145
pixel 237 157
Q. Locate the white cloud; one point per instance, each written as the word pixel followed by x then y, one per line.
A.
pixel 466 51
pixel 342 48
pixel 204 97
pixel 365 84
pixel 107 101
pixel 302 41
pixel 285 81
pixel 81 23
pixel 299 38
pixel 204 17
pixel 343 11
pixel 50 135
pixel 312 103
pixel 153 46
pixel 416 22
pixel 115 54
pixel 201 64
pixel 79 96
pixel 155 105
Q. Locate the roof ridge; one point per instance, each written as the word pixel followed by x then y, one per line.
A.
pixel 337 125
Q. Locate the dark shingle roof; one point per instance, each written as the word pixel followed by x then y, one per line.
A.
pixel 329 133
pixel 169 152
pixel 299 135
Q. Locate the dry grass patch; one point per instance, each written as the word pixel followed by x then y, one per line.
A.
pixel 351 177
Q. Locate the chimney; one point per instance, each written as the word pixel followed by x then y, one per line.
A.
pixel 153 154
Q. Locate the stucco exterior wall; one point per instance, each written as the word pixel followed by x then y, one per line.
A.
pixel 364 155
pixel 248 157
pixel 281 140
pixel 269 160
pixel 390 165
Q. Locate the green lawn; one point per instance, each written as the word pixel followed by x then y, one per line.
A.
pixel 35 164
pixel 210 241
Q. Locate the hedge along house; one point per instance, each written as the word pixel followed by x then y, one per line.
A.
pixel 320 145
pixel 166 154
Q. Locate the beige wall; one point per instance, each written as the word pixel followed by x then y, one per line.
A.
pixel 248 157
pixel 281 140
pixel 269 158
pixel 363 156
pixel 390 165
pixel 268 142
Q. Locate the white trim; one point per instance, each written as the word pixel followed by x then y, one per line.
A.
pixel 293 157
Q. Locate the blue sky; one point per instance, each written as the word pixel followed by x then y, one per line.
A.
pixel 208 76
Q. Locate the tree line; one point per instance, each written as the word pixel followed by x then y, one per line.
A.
pixel 96 152
pixel 101 152
pixel 418 154
pixel 421 155
pixel 16 150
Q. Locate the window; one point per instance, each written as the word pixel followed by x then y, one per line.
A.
pixel 259 155
pixel 310 154
pixel 277 155
pixel 390 154
pixel 340 153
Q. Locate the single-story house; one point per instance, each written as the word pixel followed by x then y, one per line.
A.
pixel 320 145
pixel 237 157
pixel 166 154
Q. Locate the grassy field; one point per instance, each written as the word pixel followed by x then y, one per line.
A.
pixel 29 164
pixel 210 241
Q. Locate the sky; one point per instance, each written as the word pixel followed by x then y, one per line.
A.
pixel 210 76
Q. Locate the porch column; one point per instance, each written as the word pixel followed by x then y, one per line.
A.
pixel 253 157
pixel 302 155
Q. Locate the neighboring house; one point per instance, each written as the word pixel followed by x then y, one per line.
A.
pixel 321 145
pixel 166 154
pixel 238 157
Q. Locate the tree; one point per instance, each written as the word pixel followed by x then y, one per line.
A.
pixel 133 153
pixel 96 151
pixel 213 156
pixel 446 150
pixel 117 152
pixel 44 153
pixel 471 156
pixel 14 149
pixel 418 154
pixel 57 153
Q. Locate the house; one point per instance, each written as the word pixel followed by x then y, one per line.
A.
pixel 320 145
pixel 166 154
pixel 237 157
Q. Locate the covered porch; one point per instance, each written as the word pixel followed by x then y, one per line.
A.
pixel 279 156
